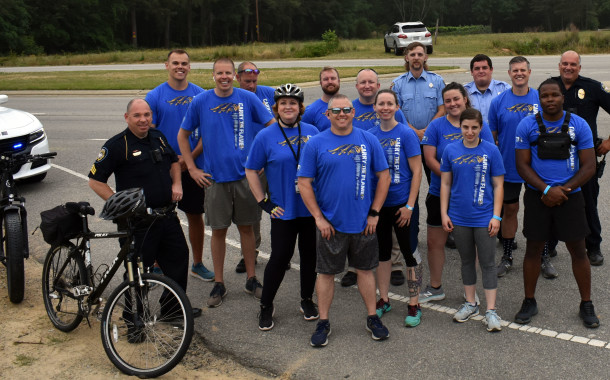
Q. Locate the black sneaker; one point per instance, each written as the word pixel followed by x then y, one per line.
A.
pixel 320 336
pixel 595 257
pixel 587 314
pixel 265 318
pixel 350 279
pixel 241 265
pixel 504 267
pixel 137 333
pixel 217 294
pixel 397 278
pixel 529 308
pixel 254 287
pixel 547 269
pixel 309 310
pixel 377 329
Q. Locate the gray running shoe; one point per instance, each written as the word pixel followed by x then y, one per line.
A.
pixel 466 312
pixel 431 294
pixel 492 321
pixel 504 267
pixel 547 269
pixel 218 293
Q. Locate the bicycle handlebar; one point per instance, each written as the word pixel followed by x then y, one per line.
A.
pixel 80 208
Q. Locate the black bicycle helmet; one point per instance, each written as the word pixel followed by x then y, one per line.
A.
pixel 289 90
pixel 123 204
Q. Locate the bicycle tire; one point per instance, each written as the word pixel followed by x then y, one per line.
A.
pixel 159 341
pixel 13 249
pixel 63 311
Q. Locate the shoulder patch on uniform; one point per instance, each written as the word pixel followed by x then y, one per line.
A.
pixel 605 88
pixel 93 169
pixel 101 155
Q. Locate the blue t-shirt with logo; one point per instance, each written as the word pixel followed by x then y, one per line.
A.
pixel 341 168
pixel 315 114
pixel 270 151
pixel 554 172
pixel 441 133
pixel 169 107
pixel 366 117
pixel 227 131
pixel 265 94
pixel 505 113
pixel 471 203
pixel 399 144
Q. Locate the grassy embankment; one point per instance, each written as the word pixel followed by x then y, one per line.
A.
pixel 446 46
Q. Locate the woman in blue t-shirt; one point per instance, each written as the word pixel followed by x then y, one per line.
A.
pixel 440 133
pixel 401 148
pixel 472 180
pixel 277 149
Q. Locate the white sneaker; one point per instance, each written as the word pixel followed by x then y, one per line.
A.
pixel 492 320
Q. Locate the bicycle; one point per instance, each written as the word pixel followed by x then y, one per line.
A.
pixel 147 321
pixel 13 219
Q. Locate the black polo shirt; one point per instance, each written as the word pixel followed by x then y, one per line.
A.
pixel 584 99
pixel 134 164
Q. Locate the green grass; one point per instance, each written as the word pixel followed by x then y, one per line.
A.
pixel 24 360
pixel 148 79
pixel 587 42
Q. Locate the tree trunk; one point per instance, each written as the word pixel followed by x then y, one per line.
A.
pixel 134 27
pixel 168 18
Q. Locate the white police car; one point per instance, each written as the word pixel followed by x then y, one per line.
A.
pixel 21 132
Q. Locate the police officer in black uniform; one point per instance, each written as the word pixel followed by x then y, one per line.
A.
pixel 141 157
pixel 583 96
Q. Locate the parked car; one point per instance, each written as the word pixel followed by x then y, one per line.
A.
pixel 403 33
pixel 22 132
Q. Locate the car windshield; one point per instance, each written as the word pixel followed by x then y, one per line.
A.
pixel 414 28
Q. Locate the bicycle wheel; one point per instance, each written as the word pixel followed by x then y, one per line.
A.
pixel 156 341
pixel 60 274
pixel 13 249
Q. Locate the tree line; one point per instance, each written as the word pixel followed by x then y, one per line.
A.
pixel 65 26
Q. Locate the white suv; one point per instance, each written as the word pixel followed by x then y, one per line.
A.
pixel 21 132
pixel 403 33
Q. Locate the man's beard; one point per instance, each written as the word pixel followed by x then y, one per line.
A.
pixel 330 92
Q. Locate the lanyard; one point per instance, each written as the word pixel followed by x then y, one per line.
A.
pixel 296 155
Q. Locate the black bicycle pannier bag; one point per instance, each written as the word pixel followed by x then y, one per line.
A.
pixel 59 225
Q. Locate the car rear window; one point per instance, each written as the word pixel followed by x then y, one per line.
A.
pixel 414 28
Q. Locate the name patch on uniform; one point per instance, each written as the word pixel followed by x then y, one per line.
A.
pixel 103 153
pixel 136 153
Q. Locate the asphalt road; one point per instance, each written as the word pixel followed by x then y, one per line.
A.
pixel 555 345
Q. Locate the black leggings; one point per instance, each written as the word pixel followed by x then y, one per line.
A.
pixel 283 240
pixel 387 222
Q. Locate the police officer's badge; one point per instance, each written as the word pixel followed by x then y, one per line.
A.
pixel 581 94
pixel 430 84
pixel 103 153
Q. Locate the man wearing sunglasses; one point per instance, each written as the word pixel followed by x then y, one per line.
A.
pixel 345 205
pixel 315 113
pixel 367 85
pixel 247 78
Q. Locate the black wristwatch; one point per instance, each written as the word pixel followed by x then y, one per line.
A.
pixel 373 212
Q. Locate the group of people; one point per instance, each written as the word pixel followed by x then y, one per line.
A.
pixel 343 178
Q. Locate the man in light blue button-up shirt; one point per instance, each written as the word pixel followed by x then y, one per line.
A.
pixel 483 88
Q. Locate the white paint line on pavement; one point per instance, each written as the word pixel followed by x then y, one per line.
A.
pixel 405 299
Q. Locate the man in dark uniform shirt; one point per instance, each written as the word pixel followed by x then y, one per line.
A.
pixel 583 96
pixel 141 157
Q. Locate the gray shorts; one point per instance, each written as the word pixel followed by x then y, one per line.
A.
pixel 230 202
pixel 362 252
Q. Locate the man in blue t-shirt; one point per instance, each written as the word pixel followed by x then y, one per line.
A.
pixel 554 204
pixel 315 113
pixel 169 102
pixel 224 116
pixel 505 113
pixel 483 89
pixel 247 78
pixel 367 85
pixel 342 161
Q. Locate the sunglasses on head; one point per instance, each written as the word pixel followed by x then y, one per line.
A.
pixel 337 110
pixel 249 71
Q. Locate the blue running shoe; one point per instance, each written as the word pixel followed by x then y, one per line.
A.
pixel 377 329
pixel 201 272
pixel 320 336
pixel 413 316
pixel 382 307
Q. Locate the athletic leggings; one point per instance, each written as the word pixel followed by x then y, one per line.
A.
pixel 387 222
pixel 469 240
pixel 283 240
